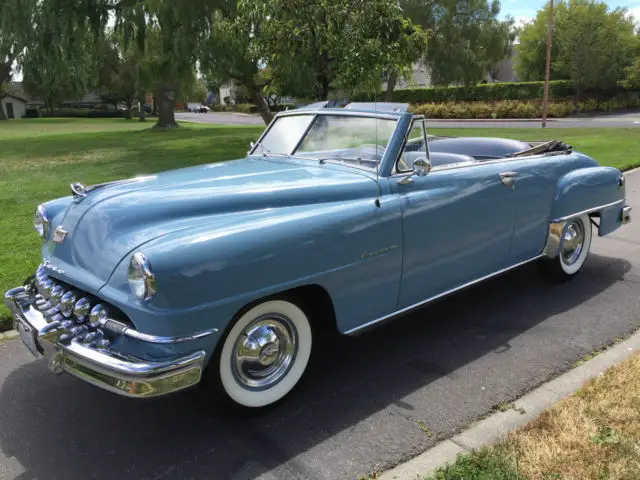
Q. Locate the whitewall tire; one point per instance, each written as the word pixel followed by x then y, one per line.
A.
pixel 574 250
pixel 264 354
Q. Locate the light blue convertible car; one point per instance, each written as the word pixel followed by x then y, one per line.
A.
pixel 337 218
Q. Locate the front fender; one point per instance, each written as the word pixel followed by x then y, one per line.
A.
pixel 586 190
pixel 204 275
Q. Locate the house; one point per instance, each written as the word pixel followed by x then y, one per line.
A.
pixel 13 103
pixel 420 76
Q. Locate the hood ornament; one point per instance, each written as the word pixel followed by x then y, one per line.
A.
pixel 78 190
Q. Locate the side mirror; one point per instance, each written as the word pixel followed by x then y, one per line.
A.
pixel 421 167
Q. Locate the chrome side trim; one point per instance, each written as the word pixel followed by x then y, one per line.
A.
pixel 589 210
pixel 436 297
pixel 145 337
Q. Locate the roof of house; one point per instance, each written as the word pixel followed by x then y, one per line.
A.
pixel 13 92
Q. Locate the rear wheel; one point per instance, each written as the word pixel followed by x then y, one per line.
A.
pixel 576 243
pixel 264 354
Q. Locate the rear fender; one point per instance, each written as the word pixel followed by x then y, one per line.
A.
pixel 595 190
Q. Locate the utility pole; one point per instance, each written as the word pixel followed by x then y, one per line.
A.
pixel 545 100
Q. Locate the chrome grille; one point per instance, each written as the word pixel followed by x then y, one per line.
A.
pixel 48 301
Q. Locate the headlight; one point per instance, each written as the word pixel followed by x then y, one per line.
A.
pixel 41 222
pixel 142 281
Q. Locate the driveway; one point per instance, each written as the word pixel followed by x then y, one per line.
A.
pixel 623 120
pixel 366 403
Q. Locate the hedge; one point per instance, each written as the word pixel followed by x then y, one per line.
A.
pixel 558 89
pixel 76 113
pixel 521 109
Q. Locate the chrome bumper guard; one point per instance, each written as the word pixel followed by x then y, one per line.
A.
pixel 100 366
pixel 626 215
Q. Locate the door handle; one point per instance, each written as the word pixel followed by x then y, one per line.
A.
pixel 508 179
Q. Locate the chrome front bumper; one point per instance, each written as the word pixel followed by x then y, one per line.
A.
pixel 100 366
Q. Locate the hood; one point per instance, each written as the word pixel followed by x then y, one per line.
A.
pixel 115 219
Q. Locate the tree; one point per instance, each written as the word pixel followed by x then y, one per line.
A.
pixel 466 38
pixel 632 75
pixel 532 49
pixel 15 26
pixel 197 92
pixel 58 62
pixel 230 55
pixel 343 44
pixel 61 34
pixel 170 34
pixel 592 46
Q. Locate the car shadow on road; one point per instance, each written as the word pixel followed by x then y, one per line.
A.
pixel 60 428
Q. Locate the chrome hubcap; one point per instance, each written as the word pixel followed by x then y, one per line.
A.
pixel 573 242
pixel 264 353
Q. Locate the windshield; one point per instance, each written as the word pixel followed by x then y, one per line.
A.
pixel 338 138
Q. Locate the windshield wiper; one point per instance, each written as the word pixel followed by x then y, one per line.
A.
pixel 340 159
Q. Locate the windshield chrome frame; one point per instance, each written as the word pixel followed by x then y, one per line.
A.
pixel 346 113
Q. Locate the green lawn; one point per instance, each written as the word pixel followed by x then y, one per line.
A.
pixel 40 158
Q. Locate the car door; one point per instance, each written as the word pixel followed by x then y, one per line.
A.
pixel 458 223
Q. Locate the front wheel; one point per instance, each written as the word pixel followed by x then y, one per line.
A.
pixel 264 354
pixel 576 243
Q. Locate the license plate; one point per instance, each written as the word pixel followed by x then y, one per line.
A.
pixel 28 337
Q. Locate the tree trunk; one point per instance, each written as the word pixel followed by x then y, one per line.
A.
pixel 166 102
pixel 263 107
pixel 391 85
pixel 154 105
pixel 127 114
pixel 323 93
pixel 5 71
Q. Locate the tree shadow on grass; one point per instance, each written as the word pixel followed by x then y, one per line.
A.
pixel 355 411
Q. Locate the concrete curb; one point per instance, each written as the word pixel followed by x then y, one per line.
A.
pixel 499 424
pixel 8 335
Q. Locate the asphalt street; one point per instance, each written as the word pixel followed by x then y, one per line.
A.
pixel 365 404
pixel 623 120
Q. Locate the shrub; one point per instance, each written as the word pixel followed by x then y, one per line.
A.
pixel 558 89
pixel 32 112
pixel 246 108
pixel 521 109
pixel 81 113
pixel 485 91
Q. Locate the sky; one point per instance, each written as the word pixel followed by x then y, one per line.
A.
pixel 523 11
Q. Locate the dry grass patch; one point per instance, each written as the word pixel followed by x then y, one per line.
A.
pixel 592 435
